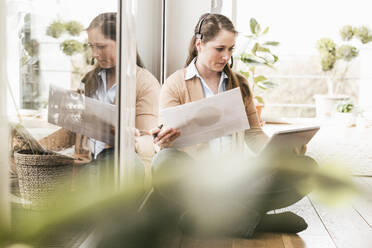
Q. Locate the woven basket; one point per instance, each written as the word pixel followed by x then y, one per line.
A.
pixel 42 177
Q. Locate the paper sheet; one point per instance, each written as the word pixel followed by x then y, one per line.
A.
pixel 81 114
pixel 206 119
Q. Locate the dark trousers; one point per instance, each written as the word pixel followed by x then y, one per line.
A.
pixel 250 196
pixel 101 170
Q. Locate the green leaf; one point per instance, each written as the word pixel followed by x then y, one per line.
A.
pixel 258 29
pixel 259 99
pixel 259 79
pixel 266 85
pixel 266 30
pixel 245 73
pixel 269 65
pixel 271 43
pixel 269 84
pixel 345 107
pixel 262 49
pixel 262 85
pixel 264 60
pixel 253 23
pixel 275 58
pixel 254 49
pixel 249 59
pixel 249 36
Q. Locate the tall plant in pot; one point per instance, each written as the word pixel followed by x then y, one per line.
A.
pixel 257 53
pixel 335 61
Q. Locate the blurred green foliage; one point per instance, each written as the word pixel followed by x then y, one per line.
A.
pixel 73 28
pixel 119 217
pixel 71 47
pixel 55 29
pixel 345 107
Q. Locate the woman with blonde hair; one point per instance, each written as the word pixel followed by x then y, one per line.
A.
pixel 208 71
pixel 101 84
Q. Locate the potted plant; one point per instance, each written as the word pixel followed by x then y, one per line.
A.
pixel 335 60
pixel 345 113
pixel 257 53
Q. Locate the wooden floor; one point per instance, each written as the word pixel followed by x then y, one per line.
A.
pixel 348 226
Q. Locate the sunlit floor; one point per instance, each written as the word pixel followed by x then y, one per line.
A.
pixel 348 226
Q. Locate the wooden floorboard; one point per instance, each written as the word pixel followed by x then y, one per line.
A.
pixel 315 235
pixel 190 242
pixel 261 240
pixel 363 205
pixel 345 225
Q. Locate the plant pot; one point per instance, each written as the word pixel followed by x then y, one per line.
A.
pixel 326 104
pixel 345 119
pixel 42 177
pixel 259 108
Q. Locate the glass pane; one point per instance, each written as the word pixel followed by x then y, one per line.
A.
pixel 298 71
pixel 61 104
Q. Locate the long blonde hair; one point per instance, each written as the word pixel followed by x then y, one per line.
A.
pixel 209 25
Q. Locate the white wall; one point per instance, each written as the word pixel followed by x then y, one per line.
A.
pixel 149 34
pixel 181 17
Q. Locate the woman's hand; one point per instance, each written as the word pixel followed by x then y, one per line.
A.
pixel 164 137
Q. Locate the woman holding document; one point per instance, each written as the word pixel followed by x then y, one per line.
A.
pixel 208 71
pixel 101 84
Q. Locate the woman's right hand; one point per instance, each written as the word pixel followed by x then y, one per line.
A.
pixel 164 136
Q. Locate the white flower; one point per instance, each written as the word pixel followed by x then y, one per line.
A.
pixel 346 52
pixel 346 32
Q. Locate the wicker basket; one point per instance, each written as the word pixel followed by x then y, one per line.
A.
pixel 42 177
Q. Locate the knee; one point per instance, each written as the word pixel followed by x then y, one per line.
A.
pixel 167 158
pixel 309 163
pixel 139 169
pixel 160 158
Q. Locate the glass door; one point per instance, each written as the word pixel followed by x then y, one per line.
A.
pixel 61 104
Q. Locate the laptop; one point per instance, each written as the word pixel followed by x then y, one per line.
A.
pixel 287 140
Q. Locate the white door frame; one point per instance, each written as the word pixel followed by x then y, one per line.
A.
pixel 126 75
pixel 4 130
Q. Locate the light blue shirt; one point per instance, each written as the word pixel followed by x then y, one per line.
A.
pixel 223 143
pixel 106 96
pixel 191 72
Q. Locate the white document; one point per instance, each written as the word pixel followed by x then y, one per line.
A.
pixel 81 114
pixel 206 119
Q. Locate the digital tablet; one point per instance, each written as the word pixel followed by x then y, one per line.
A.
pixel 288 140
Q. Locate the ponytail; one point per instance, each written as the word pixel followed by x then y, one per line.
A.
pixel 236 80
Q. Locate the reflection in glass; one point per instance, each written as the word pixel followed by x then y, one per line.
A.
pixel 66 74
